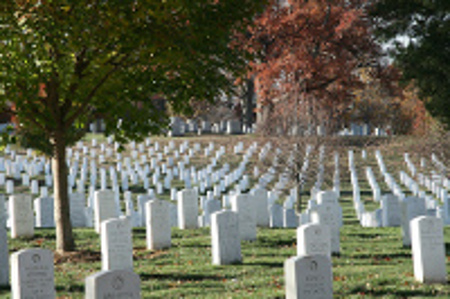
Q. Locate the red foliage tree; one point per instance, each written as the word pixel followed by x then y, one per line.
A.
pixel 310 53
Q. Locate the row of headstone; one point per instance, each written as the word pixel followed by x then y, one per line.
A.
pixel 32 276
pixel 179 128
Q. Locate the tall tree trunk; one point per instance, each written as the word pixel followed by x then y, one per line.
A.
pixel 249 102
pixel 64 237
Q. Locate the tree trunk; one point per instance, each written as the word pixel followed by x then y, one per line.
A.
pixel 249 102
pixel 64 236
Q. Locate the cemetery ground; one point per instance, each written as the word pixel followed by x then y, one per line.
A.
pixel 372 260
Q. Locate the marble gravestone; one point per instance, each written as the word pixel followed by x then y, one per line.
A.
pixel 313 238
pixel 428 249
pixel 411 208
pixel 77 210
pixel 262 207
pixel 308 277
pixel 243 205
pixel 4 253
pixel 21 216
pixel 390 210
pixel 158 224
pixel 32 274
pixel 104 207
pixel 330 215
pixel 187 208
pixel 116 244
pixel 113 284
pixel 43 208
pixel 225 240
pixel 276 215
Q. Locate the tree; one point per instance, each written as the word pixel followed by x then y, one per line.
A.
pixel 310 53
pixel 419 31
pixel 110 59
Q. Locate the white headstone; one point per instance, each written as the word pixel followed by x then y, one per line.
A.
pixel 276 215
pixel 326 196
pixel 21 216
pixel 261 207
pixel 225 241
pixel 77 210
pixel 187 208
pixel 32 274
pixel 158 224
pixel 243 205
pixel 290 218
pixel 43 208
pixel 390 210
pixel 142 199
pixel 211 206
pixel 308 277
pixel 34 187
pixel 9 186
pixel 116 244
pixel 412 207
pixel 330 215
pixel 4 253
pixel 104 207
pixel 113 284
pixel 313 238
pixel 428 249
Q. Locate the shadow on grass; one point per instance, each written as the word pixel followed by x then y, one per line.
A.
pixel 182 277
pixel 262 264
pixel 5 288
pixel 273 242
pixel 387 257
pixel 195 245
pixel 70 288
pixel 396 293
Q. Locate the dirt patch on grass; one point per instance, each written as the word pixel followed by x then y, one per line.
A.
pixel 82 256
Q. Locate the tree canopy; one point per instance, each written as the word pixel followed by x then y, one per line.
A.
pixel 65 63
pixel 310 53
pixel 419 31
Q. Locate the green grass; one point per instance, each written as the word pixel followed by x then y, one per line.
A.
pixel 372 263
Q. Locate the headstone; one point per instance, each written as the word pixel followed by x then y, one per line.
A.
pixel 225 241
pixel 211 206
pixel 9 187
pixel 412 207
pixel 77 210
pixel 4 253
pixel 141 201
pixel 104 207
pixel 261 208
pixel 330 215
pixel 32 274
pixel 428 249
pixel 173 212
pixel 313 238
pixel 158 224
pixel 113 284
pixel 308 277
pixel 234 127
pixel 243 205
pixel 187 208
pixel 43 208
pixel 326 196
pixel 290 218
pixel 116 244
pixel 390 210
pixel 276 215
pixel 21 216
